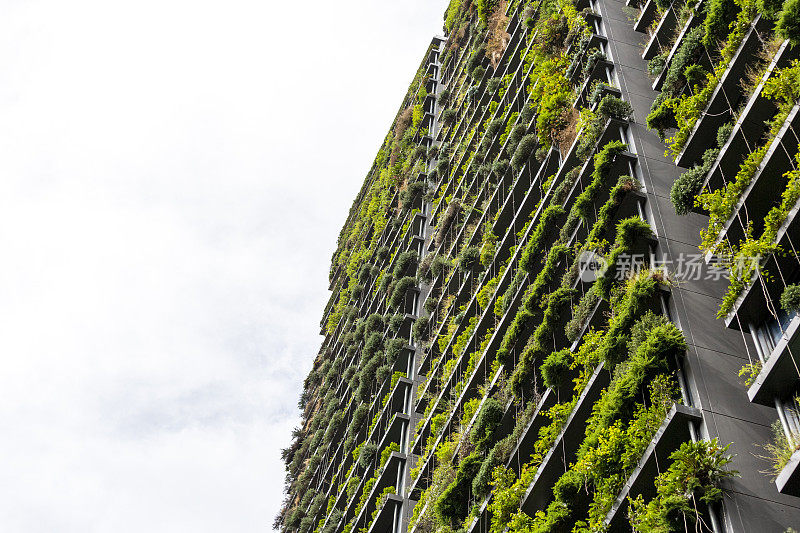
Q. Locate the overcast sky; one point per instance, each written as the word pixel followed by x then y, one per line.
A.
pixel 173 177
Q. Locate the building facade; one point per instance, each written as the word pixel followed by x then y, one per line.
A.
pixel 566 297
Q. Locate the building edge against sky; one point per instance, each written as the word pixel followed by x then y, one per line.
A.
pixel 566 297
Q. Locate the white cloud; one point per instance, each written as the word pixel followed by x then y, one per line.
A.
pixel 174 177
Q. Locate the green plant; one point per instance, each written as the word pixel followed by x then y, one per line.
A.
pixel 788 25
pixel 695 75
pixel 555 367
pixel 790 298
pixel 496 456
pixel 770 9
pixel 749 372
pixel 420 329
pixel 367 453
pixel 410 193
pixel 719 14
pixel 399 291
pixel 780 450
pixel 581 313
pixel 469 259
pixel 689 184
pixel 486 423
pixel 723 133
pixel 656 65
pixel 439 265
pixel 613 107
pixel 406 264
pixel 523 151
pixel 691 482
pixel 452 504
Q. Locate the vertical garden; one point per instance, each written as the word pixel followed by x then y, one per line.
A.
pixel 478 373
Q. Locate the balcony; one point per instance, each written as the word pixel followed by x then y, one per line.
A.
pixel 726 97
pixel 673 432
pixel 750 127
pixel 557 460
pixel 646 17
pixel 788 481
pixel 694 19
pixel 779 375
pixel 661 36
pixel 388 517
pixel 763 292
pixel 601 71
pixel 760 195
pixel 390 474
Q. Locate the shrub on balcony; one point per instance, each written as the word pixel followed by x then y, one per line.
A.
pixel 688 185
pixel 364 273
pixel 662 112
pixel 359 417
pixel 357 291
pixel 628 307
pixel 374 323
pixel 724 133
pixel 514 137
pixel 719 15
pixel 496 456
pixel 499 167
pixel 386 280
pixel 555 367
pixel 770 9
pixel 400 290
pixel 689 485
pixel 410 193
pixel 651 358
pixel 529 261
pixel 486 423
pixel 788 25
pixel 613 107
pixel 581 314
pixel 452 505
pixel 492 85
pixel 662 116
pixel 790 299
pixel 430 305
pixel 395 323
pixel 424 270
pixel 393 349
pixel 656 65
pixel 372 344
pixel 685 188
pixel 348 373
pixel 448 116
pixel 439 265
pixel 442 168
pixel 332 523
pixel 367 453
pixel 476 58
pixel 780 450
pixel 383 373
pixel 447 218
pixel 406 264
pixel 477 73
pixel 420 329
pixel 695 75
pixel 523 151
pixel 444 96
pixel 469 259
